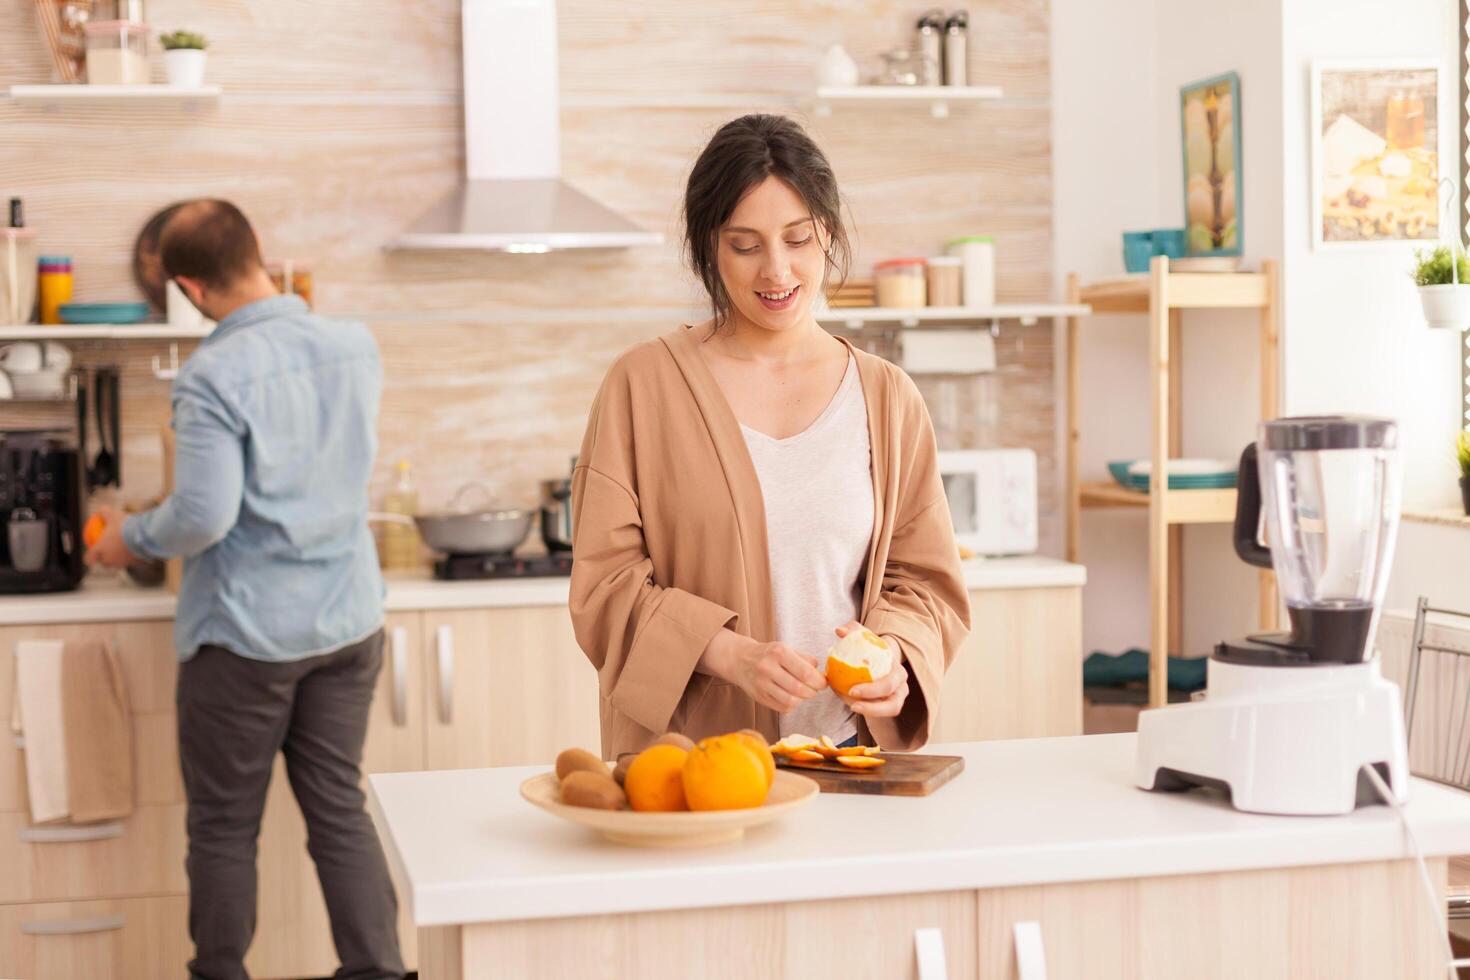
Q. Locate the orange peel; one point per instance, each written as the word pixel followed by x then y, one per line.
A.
pixel 861 761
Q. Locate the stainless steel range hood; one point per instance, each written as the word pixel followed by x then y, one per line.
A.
pixel 514 199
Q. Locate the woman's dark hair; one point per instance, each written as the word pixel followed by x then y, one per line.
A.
pixel 743 153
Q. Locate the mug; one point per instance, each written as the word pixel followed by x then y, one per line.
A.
pixel 25 357
pixel 30 538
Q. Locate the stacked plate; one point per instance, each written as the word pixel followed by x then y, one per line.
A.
pixel 1184 474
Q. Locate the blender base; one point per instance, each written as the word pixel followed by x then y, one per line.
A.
pixel 1281 739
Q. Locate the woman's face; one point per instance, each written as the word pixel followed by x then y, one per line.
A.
pixel 771 258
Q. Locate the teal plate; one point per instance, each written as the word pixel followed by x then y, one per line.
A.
pixel 92 313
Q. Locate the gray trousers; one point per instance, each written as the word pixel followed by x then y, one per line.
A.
pixel 235 714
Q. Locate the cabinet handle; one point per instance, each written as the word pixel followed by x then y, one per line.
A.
pixel 71 835
pixel 1030 953
pixel 398 650
pixel 929 952
pixel 445 646
pixel 72 927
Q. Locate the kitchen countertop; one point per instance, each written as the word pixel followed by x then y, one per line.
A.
pixel 105 597
pixel 1022 813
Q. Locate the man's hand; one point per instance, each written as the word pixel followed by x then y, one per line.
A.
pixel 110 551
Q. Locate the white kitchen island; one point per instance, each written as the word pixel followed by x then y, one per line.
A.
pixel 1125 884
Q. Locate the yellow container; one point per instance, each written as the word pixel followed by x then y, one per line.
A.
pixel 55 285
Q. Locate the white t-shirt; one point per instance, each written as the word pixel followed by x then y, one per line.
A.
pixel 818 491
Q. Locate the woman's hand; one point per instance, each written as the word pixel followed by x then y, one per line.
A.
pixel 884 697
pixel 774 674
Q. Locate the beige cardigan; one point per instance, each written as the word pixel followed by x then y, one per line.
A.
pixel 670 547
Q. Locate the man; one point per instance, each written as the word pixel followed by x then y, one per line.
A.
pixel 279 625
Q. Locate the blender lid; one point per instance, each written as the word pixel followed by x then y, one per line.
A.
pixel 1310 433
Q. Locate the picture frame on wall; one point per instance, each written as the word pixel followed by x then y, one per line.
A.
pixel 1379 150
pixel 1214 188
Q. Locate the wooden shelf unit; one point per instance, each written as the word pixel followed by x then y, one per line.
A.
pixel 1163 295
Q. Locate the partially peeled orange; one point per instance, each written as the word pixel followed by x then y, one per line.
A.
pixel 860 657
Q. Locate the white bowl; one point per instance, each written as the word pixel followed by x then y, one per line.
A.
pixel 38 384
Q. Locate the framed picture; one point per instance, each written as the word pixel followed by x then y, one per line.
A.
pixel 1214 191
pixel 1377 144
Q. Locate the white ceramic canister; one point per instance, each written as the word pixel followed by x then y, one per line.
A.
pixel 977 252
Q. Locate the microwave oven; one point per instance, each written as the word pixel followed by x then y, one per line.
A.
pixel 992 499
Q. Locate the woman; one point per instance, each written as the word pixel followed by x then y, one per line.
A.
pixel 751 486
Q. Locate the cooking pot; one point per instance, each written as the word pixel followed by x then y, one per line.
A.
pixel 556 514
pixel 461 531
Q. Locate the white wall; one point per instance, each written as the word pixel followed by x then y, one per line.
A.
pixel 1356 340
pixel 1117 167
pixel 1105 105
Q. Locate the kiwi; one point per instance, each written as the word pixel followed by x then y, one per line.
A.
pixel 575 760
pixel 674 738
pixel 591 789
pixel 625 760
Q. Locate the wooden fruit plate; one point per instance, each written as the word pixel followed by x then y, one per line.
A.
pixel 788 792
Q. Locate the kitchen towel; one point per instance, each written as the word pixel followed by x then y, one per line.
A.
pixel 947 351
pixel 37 716
pixel 99 733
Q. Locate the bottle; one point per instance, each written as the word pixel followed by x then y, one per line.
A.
pixel 55 282
pixel 956 45
pixel 401 541
pixel 17 213
pixel 931 42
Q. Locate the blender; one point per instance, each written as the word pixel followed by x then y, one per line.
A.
pixel 1289 720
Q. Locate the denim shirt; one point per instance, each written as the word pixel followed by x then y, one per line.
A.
pixel 275 418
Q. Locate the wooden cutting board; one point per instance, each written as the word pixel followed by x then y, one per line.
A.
pixel 904 775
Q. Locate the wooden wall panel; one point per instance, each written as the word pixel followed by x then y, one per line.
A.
pixel 338 128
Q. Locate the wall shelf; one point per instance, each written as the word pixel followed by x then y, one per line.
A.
pixel 1444 517
pixel 1163 295
pixel 855 317
pixel 103 331
pixel 1180 506
pixel 83 95
pixel 936 97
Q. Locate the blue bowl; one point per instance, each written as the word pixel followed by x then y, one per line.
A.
pixel 109 313
pixel 1138 248
pixel 1119 469
pixel 1170 242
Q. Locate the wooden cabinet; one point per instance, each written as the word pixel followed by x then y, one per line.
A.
pixel 122 939
pixel 1019 674
pixel 860 937
pixel 145 651
pixel 460 689
pixel 505 687
pixel 293 935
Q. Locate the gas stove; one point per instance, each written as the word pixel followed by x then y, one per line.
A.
pixel 459 567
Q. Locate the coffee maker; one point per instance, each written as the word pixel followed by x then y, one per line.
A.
pixel 41 493
pixel 1289 720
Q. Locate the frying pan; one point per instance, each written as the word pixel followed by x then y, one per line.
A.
pixel 460 531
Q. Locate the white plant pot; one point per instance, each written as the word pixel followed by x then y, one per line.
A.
pixel 1446 306
pixel 185 67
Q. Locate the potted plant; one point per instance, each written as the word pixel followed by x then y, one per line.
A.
pixel 1462 456
pixel 183 57
pixel 1443 278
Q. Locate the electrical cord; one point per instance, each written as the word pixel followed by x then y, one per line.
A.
pixel 1436 912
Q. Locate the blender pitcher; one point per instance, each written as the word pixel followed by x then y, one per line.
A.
pixel 1329 487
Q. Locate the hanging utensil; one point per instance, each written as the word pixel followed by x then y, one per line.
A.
pixel 105 466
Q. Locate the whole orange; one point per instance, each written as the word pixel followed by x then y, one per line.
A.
pixel 655 779
pixel 92 530
pixel 756 742
pixel 723 773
